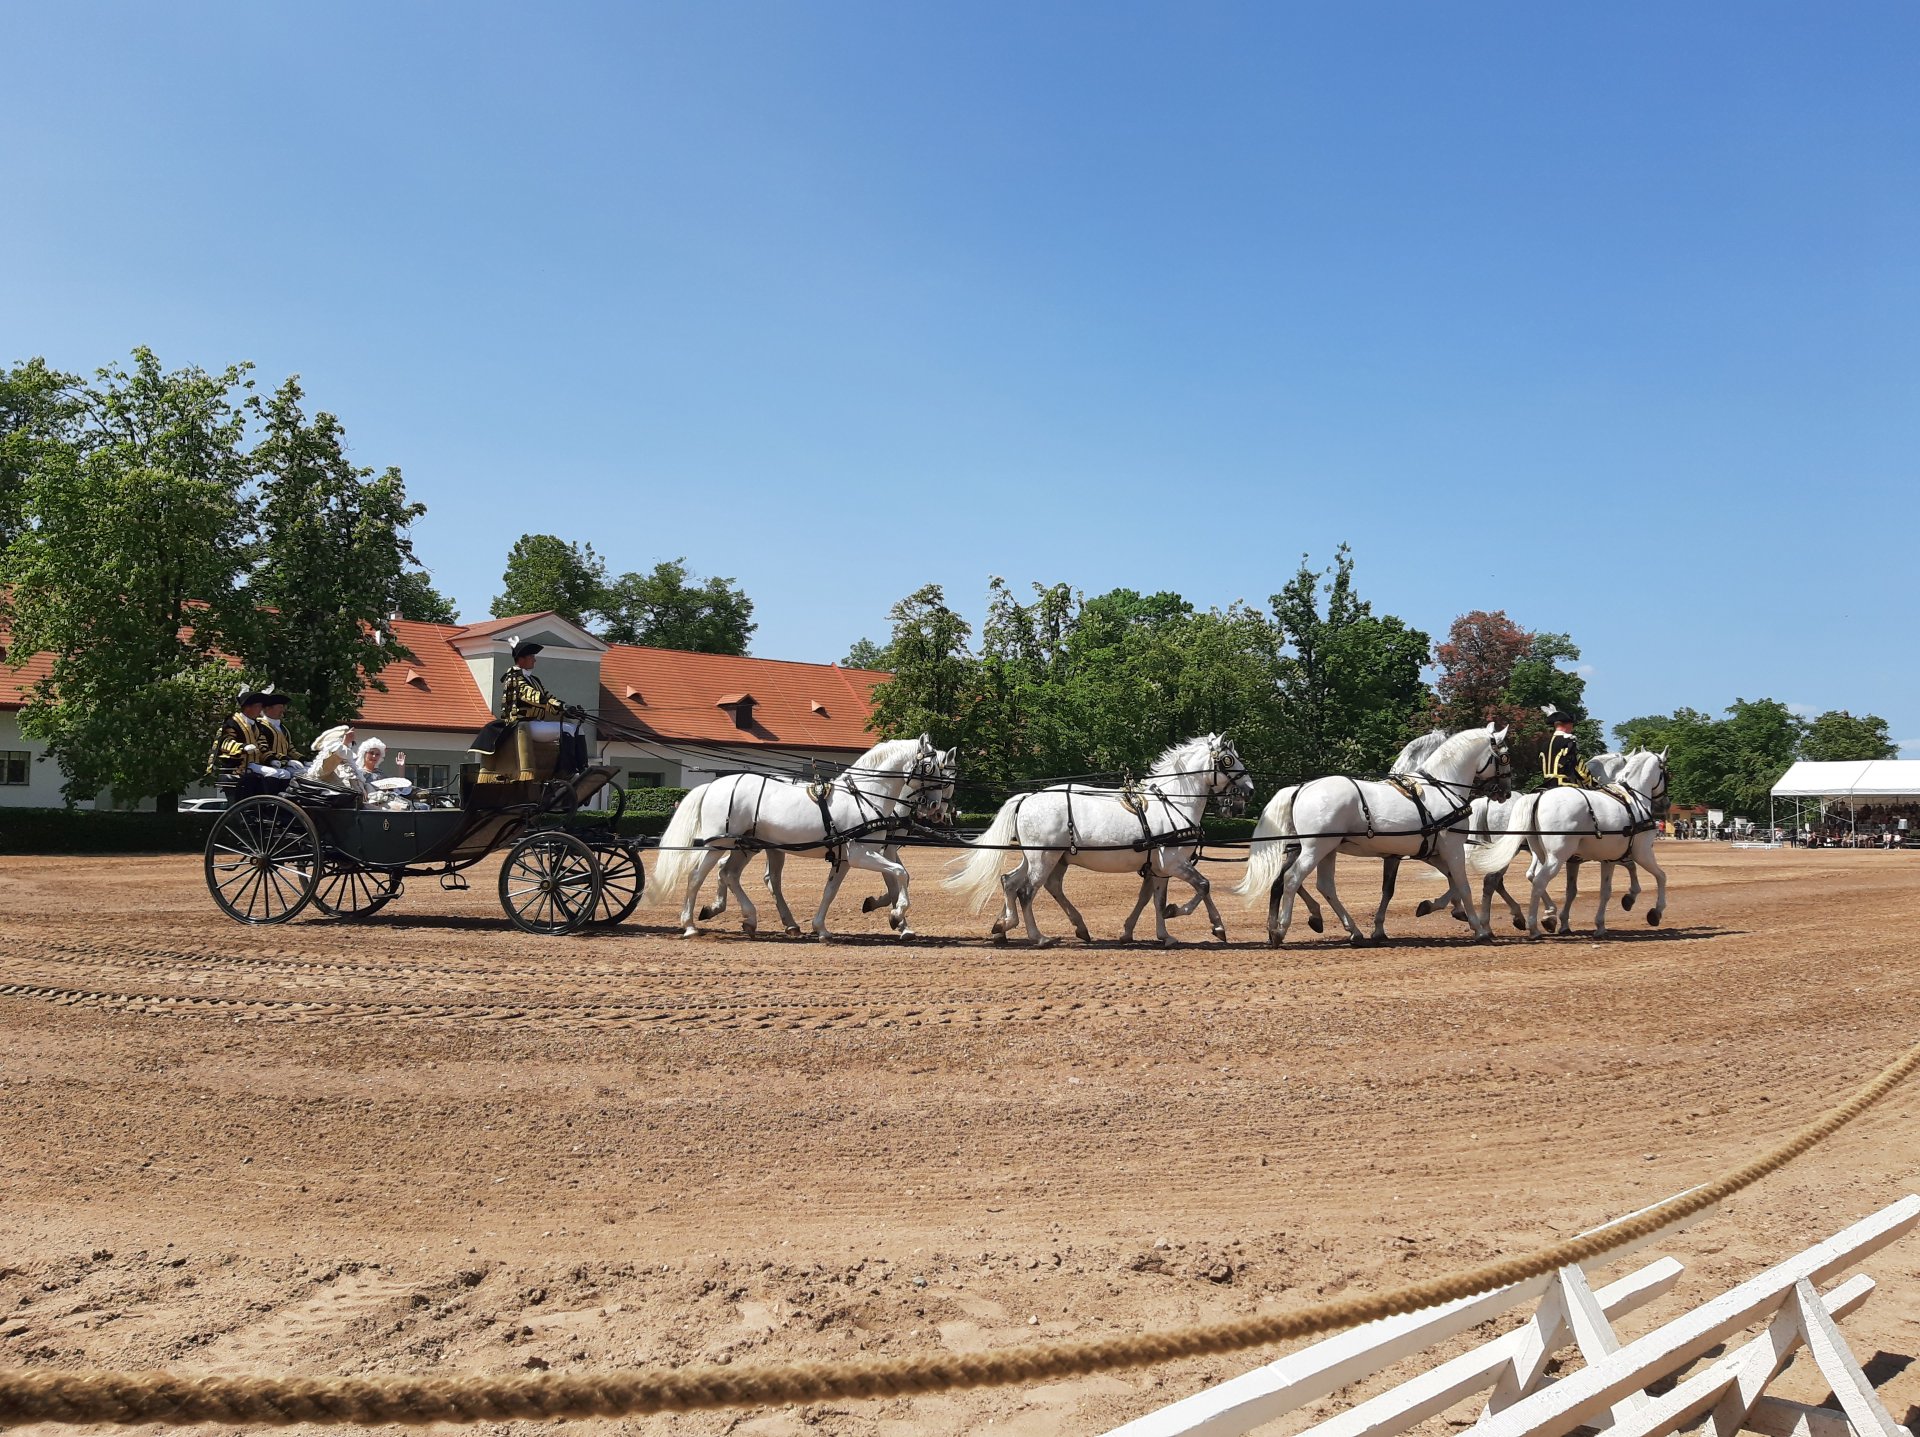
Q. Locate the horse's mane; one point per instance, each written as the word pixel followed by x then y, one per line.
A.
pixel 885 755
pixel 1419 749
pixel 1455 745
pixel 1173 759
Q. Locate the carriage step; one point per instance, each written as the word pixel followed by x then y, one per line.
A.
pixel 454 883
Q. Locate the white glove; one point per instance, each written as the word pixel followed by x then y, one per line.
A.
pixel 251 748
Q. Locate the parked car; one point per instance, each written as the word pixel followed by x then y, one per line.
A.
pixel 202 805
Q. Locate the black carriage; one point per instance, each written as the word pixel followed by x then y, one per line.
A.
pixel 271 855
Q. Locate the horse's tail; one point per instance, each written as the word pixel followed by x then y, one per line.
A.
pixel 1494 857
pixel 978 874
pixel 677 851
pixel 1267 858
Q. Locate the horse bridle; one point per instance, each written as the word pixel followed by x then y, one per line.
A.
pixel 1461 795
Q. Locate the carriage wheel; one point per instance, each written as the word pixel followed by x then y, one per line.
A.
pixel 550 883
pixel 622 881
pixel 262 859
pixel 346 890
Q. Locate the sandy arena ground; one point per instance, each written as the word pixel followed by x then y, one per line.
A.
pixel 430 1143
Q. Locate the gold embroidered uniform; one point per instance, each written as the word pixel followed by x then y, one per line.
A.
pixel 522 696
pixel 277 750
pixel 230 756
pixel 1560 763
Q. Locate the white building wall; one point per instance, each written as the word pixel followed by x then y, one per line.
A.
pixel 42 788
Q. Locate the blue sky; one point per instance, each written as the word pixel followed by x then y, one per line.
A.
pixel 1607 316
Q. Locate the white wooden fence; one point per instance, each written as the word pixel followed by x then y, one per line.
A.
pixel 1610 1391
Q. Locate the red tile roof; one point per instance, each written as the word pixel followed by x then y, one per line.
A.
pixel 678 696
pixel 14 683
pixel 499 626
pixel 440 694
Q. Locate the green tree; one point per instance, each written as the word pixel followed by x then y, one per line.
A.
pixel 1837 736
pixel 545 573
pixel 1758 739
pixel 1495 671
pixel 933 680
pixel 40 411
pixel 1730 763
pixel 126 570
pixel 664 609
pixel 866 654
pixel 419 601
pixel 333 552
pixel 1696 766
pixel 1349 680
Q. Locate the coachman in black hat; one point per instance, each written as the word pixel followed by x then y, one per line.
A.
pixel 1560 762
pixel 524 699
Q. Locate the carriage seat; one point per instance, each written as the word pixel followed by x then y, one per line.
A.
pixel 520 758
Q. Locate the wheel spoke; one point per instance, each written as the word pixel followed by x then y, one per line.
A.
pixel 278 889
pixel 249 895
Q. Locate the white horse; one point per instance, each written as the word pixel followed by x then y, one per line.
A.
pixel 1151 828
pixel 934 809
pixel 847 819
pixel 1616 824
pixel 1419 817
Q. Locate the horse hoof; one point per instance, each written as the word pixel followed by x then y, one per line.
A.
pixel 1045 942
pixel 1483 938
pixel 750 929
pixel 999 937
pixel 999 930
pixel 1426 907
pixel 1459 917
pixel 1221 934
pixel 867 903
pixel 706 913
pixel 1083 935
pixel 1170 910
pixel 690 933
pixel 1550 924
pixel 896 922
pixel 1626 902
pixel 906 932
pixel 1653 917
pixel 793 930
pixel 1316 923
pixel 1521 924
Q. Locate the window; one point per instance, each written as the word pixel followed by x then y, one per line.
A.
pixel 13 768
pixel 430 775
pixel 646 780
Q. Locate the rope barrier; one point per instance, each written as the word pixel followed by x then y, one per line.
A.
pixel 173 1399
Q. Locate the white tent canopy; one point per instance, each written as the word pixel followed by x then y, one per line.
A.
pixel 1857 781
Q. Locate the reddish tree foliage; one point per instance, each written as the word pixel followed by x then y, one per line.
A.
pixel 1478 658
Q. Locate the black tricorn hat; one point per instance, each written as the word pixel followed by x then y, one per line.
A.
pixel 273 700
pixel 1556 714
pixel 249 697
pixel 526 647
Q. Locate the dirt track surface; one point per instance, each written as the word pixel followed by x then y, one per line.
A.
pixel 429 1143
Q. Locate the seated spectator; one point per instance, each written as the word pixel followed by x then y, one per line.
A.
pixel 378 791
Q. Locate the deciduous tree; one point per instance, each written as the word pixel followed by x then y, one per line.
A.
pixel 666 609
pixel 546 573
pixel 333 560
pixel 40 411
pixel 126 570
pixel 1836 736
pixel 421 602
